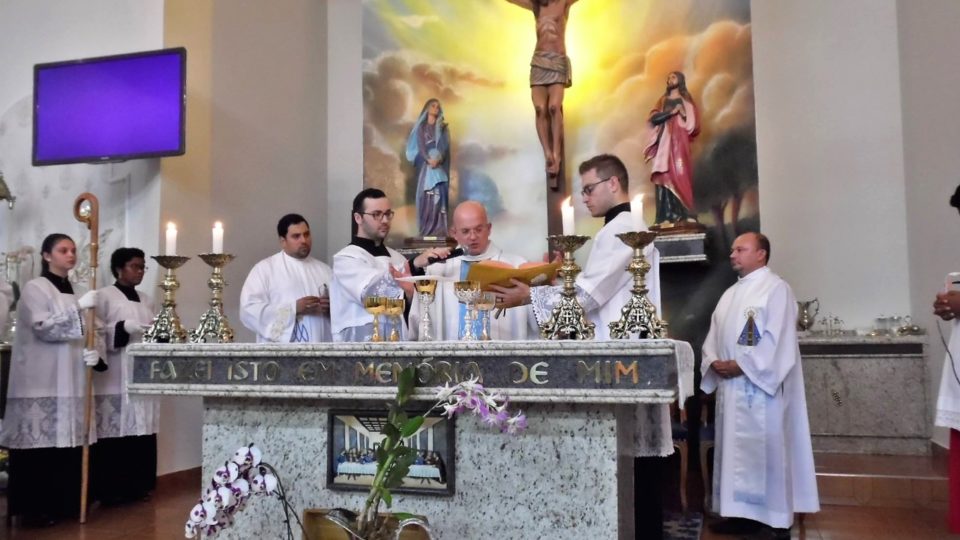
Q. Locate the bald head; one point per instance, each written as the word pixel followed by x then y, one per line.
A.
pixel 471 227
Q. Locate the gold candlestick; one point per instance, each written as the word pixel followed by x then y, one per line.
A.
pixel 166 327
pixel 568 320
pixel 639 315
pixel 214 326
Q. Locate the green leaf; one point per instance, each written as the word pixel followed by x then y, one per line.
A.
pixel 405 384
pixel 411 426
pixel 386 496
pixel 391 431
pixel 381 454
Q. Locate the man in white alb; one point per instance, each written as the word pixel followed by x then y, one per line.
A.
pixel 285 298
pixel 471 228
pixel 367 267
pixel 603 288
pixel 763 464
pixel 6 300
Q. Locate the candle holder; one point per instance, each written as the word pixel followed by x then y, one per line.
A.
pixel 639 315
pixel 568 320
pixel 213 326
pixel 427 289
pixel 166 327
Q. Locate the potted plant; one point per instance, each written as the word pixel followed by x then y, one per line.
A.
pixel 245 474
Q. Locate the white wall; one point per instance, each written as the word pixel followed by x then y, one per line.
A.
pixel 931 130
pixel 830 145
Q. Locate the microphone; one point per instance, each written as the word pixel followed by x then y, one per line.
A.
pixel 455 253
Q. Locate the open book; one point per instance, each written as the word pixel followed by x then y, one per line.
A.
pixel 498 273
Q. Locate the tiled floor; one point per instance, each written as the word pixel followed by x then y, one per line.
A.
pixel 163 517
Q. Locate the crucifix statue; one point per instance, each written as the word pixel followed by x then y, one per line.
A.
pixel 550 74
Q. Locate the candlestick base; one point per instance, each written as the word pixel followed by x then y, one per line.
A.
pixel 639 316
pixel 568 320
pixel 214 326
pixel 166 327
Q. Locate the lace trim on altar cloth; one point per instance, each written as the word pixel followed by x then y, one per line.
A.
pixel 43 422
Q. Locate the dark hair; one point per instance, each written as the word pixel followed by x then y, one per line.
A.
pixel 607 165
pixel 763 243
pixel 47 247
pixel 120 258
pixel 286 221
pixel 681 86
pixel 369 193
pixel 955 199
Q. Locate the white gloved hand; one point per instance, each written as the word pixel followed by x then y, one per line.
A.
pixel 91 357
pixel 88 300
pixel 131 327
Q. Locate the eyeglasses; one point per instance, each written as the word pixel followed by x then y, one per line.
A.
pixel 588 189
pixel 378 215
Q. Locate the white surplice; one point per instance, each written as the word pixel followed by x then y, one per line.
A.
pixel 268 300
pixel 603 288
pixel 948 401
pixel 763 464
pixel 118 413
pixel 357 274
pixel 445 310
pixel 45 397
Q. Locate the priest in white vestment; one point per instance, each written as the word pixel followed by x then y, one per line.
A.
pixel 763 463
pixel 367 267
pixel 471 228
pixel 127 425
pixel 285 298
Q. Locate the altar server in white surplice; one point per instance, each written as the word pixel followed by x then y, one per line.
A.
pixel 471 228
pixel 367 267
pixel 763 467
pixel 126 425
pixel 285 298
pixel 43 424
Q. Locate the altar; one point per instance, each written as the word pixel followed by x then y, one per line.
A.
pixel 564 477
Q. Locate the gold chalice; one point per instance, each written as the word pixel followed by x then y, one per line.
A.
pixel 394 309
pixel 467 292
pixel 375 305
pixel 485 304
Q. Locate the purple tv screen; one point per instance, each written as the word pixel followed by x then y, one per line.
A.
pixel 111 108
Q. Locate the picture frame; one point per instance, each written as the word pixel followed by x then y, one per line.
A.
pixel 353 436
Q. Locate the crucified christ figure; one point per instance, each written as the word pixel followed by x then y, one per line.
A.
pixel 549 75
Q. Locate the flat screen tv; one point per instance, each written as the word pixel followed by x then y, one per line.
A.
pixel 111 108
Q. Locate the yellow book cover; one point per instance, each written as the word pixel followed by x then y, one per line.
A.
pixel 497 273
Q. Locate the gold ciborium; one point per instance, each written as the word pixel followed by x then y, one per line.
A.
pixel 467 292
pixel 427 290
pixel 375 305
pixel 166 327
pixel 393 307
pixel 568 320
pixel 485 305
pixel 214 326
pixel 639 315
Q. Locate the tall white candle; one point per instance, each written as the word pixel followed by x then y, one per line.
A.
pixel 171 245
pixel 566 212
pixel 217 237
pixel 636 212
